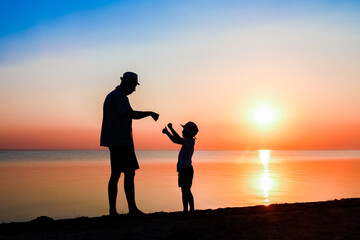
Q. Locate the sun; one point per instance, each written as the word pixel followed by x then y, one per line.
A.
pixel 264 115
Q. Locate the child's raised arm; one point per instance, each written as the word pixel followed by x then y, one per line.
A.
pixel 174 136
pixel 173 131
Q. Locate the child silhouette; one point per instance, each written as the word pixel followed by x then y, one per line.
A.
pixel 184 165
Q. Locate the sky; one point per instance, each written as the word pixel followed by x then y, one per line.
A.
pixel 212 62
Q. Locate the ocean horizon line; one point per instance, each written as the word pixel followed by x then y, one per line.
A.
pixel 176 149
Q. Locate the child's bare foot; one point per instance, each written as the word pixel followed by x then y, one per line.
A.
pixel 113 213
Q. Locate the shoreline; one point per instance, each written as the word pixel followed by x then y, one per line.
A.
pixel 336 219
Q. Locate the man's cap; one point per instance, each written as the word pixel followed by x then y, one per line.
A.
pixel 191 128
pixel 130 77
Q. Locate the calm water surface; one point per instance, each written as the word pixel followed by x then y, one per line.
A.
pixel 65 184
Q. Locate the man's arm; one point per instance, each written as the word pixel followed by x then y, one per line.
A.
pixel 141 114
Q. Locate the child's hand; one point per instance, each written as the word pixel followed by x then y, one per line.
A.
pixel 164 130
pixel 170 125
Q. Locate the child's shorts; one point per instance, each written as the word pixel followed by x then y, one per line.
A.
pixel 186 176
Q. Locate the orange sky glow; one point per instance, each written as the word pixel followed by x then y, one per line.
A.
pixel 215 67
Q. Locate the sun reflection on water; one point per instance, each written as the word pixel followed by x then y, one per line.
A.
pixel 265 180
pixel 264 157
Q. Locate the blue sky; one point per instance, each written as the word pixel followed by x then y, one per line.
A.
pixel 20 15
pixel 29 27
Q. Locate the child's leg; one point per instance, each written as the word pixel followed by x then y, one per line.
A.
pixel 184 199
pixel 185 182
pixel 191 201
pixel 187 198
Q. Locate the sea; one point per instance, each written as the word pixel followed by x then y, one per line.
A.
pixel 73 183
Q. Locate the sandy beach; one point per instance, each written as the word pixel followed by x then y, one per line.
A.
pixel 338 219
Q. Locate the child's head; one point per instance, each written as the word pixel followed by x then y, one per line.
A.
pixel 190 130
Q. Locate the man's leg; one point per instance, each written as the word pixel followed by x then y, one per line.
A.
pixel 129 187
pixel 112 192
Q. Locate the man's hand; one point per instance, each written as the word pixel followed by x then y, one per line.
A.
pixel 170 125
pixel 155 116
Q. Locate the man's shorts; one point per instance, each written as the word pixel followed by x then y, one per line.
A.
pixel 186 176
pixel 123 159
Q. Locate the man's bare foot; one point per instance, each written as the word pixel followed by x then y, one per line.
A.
pixel 136 212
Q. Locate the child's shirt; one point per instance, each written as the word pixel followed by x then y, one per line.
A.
pixel 185 154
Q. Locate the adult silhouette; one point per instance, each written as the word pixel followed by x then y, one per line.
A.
pixel 116 134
